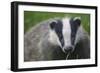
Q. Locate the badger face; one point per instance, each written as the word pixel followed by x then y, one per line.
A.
pixel 63 33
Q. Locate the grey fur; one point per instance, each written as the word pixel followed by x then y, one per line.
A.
pixel 37 46
pixel 82 45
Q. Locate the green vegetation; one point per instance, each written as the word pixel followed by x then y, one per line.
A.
pixel 31 18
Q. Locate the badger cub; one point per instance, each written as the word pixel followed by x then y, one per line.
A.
pixel 57 39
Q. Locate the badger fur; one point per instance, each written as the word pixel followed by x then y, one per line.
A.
pixel 50 40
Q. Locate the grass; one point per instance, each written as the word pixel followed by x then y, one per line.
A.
pixel 32 18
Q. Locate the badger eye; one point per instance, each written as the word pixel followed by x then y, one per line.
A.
pixel 61 39
pixel 72 35
pixel 60 36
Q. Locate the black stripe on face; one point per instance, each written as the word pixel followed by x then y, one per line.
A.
pixel 58 30
pixel 57 27
pixel 74 27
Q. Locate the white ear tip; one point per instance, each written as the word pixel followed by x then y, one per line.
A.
pixel 77 18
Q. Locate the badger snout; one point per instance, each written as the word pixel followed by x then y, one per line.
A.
pixel 68 49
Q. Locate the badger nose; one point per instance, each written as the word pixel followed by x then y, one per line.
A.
pixel 68 49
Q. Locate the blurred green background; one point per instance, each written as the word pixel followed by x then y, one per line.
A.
pixel 32 18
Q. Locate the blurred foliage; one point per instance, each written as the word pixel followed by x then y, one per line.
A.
pixel 32 18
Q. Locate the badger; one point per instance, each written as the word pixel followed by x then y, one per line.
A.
pixel 57 39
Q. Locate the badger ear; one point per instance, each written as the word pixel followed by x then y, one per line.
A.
pixel 77 21
pixel 52 25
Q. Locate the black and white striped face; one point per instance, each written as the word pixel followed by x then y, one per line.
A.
pixel 63 32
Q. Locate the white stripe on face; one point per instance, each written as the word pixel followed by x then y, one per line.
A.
pixel 66 32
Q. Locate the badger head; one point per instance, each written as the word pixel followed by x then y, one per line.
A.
pixel 63 33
